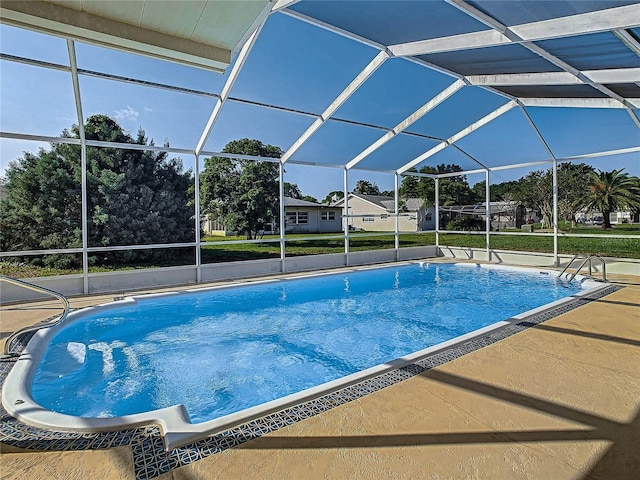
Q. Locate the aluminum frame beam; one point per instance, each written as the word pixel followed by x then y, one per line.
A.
pixel 602 20
pixel 457 136
pixel 83 164
pixel 356 83
pixel 617 18
pixel 621 75
pixel 577 102
pixel 226 90
pixel 407 122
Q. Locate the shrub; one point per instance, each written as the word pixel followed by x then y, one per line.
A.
pixel 466 223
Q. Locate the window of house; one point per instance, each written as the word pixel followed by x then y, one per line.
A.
pixel 384 217
pixel 291 218
pixel 368 219
pixel 297 218
pixel 327 216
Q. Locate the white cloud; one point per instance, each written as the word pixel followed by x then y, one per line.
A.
pixel 128 113
pixel 147 109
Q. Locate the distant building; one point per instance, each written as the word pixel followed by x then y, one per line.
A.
pixel 301 216
pixel 375 213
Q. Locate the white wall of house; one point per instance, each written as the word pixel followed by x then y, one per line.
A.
pixel 368 216
pixel 310 219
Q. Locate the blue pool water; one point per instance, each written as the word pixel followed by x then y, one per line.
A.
pixel 221 351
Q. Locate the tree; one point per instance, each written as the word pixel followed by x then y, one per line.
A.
pixel 609 191
pixel 572 177
pixel 364 187
pixel 309 198
pixel 133 197
pixel 244 194
pixel 410 187
pixel 452 190
pixel 635 208
pixel 292 190
pixel 535 190
pixel 500 192
pixel 333 196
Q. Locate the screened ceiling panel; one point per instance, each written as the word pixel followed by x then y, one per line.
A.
pixel 450 156
pixel 606 163
pixel 553 91
pixel 592 52
pixel 502 141
pixel 240 120
pixel 397 152
pixel 535 11
pixel 592 130
pixel 462 109
pixel 122 64
pixel 29 108
pixel 26 43
pixel 392 21
pixel 335 143
pixel 304 75
pixel 398 88
pixel 627 90
pixel 491 60
pixel 164 115
pixel 307 178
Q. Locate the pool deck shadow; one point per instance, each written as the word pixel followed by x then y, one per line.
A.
pixel 560 400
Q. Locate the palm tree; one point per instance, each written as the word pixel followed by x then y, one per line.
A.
pixel 609 191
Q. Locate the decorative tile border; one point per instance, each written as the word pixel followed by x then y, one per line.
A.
pixel 149 456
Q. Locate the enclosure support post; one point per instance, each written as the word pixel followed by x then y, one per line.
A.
pixel 83 165
pixel 282 217
pixel 437 214
pixel 196 179
pixel 556 261
pixel 345 191
pixel 487 212
pixel 397 213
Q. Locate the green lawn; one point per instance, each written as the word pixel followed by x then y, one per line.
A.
pixel 269 247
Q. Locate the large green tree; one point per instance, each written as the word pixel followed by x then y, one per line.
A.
pixel 243 194
pixel 133 197
pixel 609 191
pixel 452 190
pixel 500 192
pixel 535 190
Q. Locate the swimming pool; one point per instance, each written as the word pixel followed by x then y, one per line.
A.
pixel 200 361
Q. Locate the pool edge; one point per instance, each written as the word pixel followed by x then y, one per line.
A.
pixel 173 421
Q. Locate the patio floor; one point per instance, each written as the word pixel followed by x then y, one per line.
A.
pixel 557 401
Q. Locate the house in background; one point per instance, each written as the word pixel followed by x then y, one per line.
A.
pixel 375 213
pixel 302 216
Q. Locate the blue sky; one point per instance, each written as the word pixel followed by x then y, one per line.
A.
pixel 300 67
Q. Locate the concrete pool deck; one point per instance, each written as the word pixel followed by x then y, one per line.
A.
pixel 557 401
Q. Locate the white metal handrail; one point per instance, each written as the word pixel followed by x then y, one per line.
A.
pixel 587 259
pixel 37 326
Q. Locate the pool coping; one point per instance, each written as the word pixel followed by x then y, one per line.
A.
pixel 312 401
